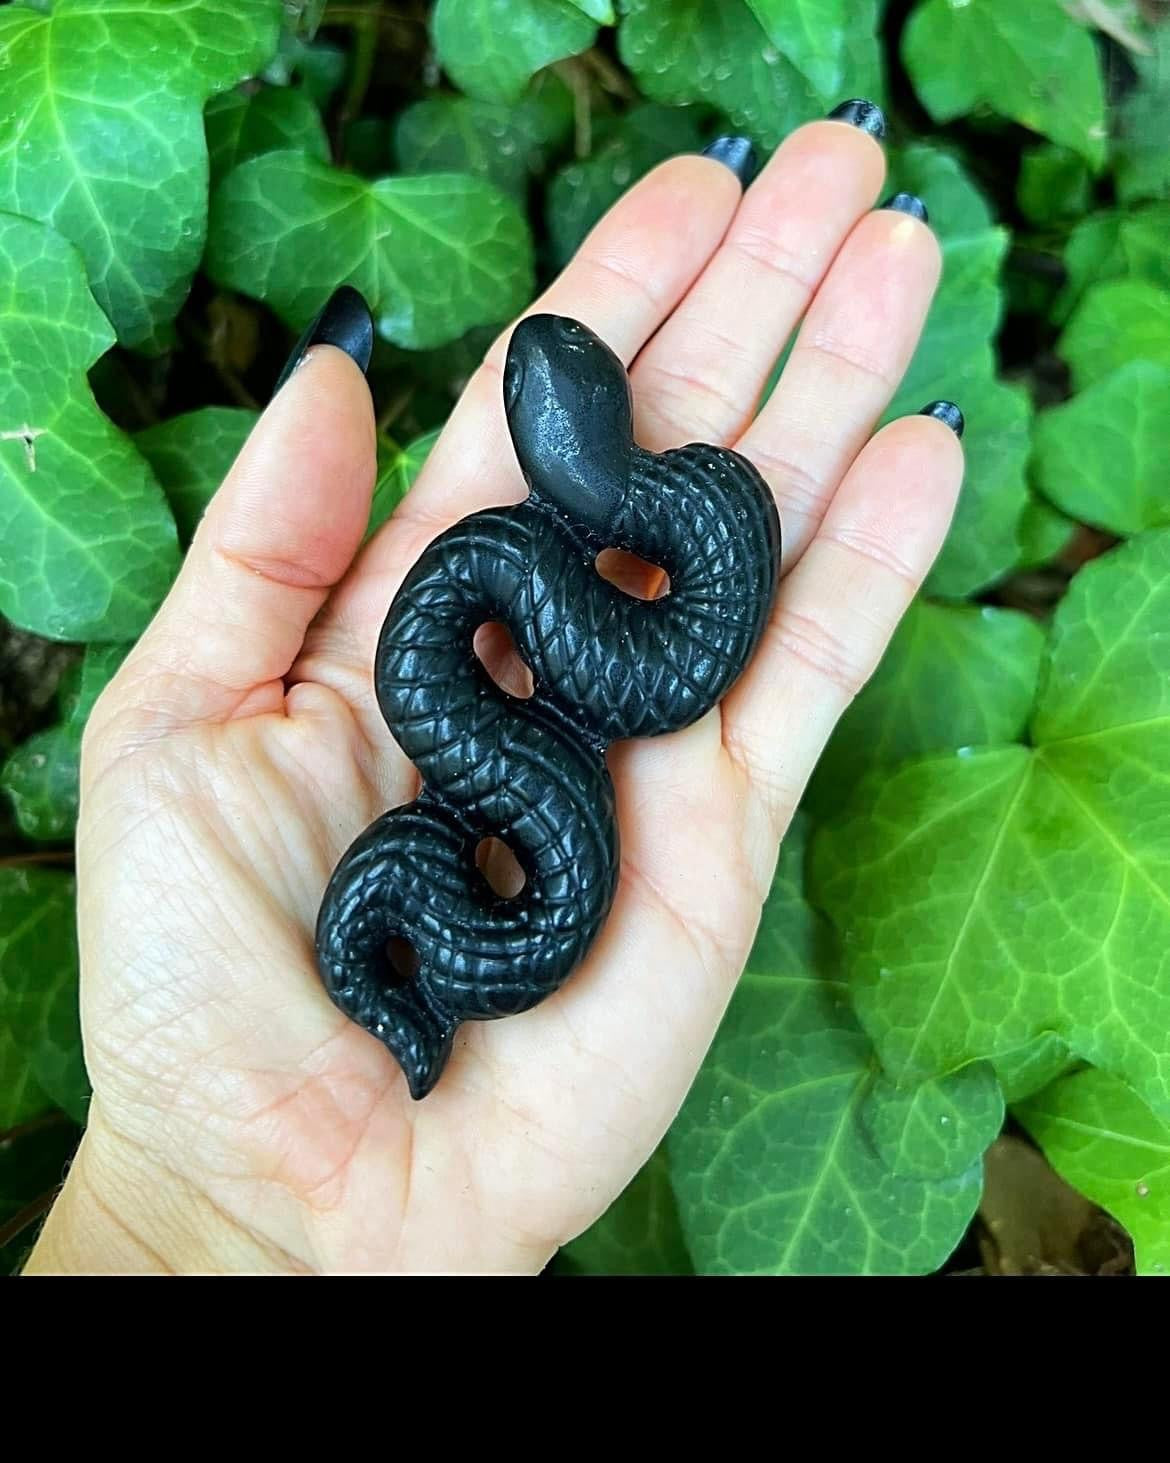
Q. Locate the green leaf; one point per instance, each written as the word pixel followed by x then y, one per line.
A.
pixel 639 1234
pixel 953 676
pixel 715 51
pixel 773 1157
pixel 581 192
pixel 1117 322
pixel 87 543
pixel 1023 1072
pixel 598 10
pixel 302 17
pixel 955 360
pixel 1103 1139
pixel 1044 534
pixel 1102 457
pixel 1054 183
pixel 984 543
pixel 191 455
pixel 506 145
pixel 397 470
pixel 1142 159
pixel 492 48
pixel 1116 245
pixel 911 1127
pixel 992 896
pixel 40 1030
pixel 1030 63
pixel 241 125
pixel 101 135
pixel 958 207
pixel 432 255
pixel 811 34
pixel 41 780
pixel 42 777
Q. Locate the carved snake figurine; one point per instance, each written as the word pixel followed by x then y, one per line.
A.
pixel 532 772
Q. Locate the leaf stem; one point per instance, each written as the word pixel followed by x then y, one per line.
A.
pixel 31 1212
pixel 51 856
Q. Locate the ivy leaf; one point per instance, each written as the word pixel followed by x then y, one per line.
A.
pixel 984 543
pixel 275 118
pixel 1113 245
pixel 773 1157
pixel 42 777
pixel 911 1127
pixel 715 51
pixel 953 676
pixel 41 780
pixel 1101 457
pixel 101 136
pixel 302 17
pixel 397 470
pixel 1117 322
pixel 87 543
pixel 38 996
pixel 506 145
pixel 1030 63
pixel 598 10
pixel 956 360
pixel 492 48
pixel 581 192
pixel 1044 534
pixel 811 33
pixel 1054 184
pixel 432 255
pixel 1031 1067
pixel 639 1234
pixel 1142 159
pixel 1103 1139
pixel 191 455
pixel 997 895
pixel 959 209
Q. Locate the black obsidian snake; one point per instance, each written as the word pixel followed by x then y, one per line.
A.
pixel 532 772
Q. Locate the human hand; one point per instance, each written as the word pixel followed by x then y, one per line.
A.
pixel 239 1121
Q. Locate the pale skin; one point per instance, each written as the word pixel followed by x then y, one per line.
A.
pixel 239 1122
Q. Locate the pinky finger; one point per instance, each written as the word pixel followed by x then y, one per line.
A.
pixel 838 608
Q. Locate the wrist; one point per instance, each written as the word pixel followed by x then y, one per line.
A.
pixel 119 1213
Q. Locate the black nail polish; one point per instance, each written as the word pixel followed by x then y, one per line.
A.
pixel 736 153
pixel 860 113
pixel 947 413
pixel 344 322
pixel 907 203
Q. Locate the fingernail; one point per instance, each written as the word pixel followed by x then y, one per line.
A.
pixel 736 153
pixel 344 322
pixel 860 113
pixel 947 413
pixel 907 203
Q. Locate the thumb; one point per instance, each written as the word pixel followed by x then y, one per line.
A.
pixel 276 537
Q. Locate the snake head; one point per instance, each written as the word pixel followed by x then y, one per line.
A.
pixel 567 398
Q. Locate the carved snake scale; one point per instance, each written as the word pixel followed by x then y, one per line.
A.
pixel 532 772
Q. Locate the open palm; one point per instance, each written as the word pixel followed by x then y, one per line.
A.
pixel 239 1120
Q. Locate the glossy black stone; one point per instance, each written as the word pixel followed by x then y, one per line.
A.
pixel 736 153
pixel 344 322
pixel 947 413
pixel 908 203
pixel 860 113
pixel 532 772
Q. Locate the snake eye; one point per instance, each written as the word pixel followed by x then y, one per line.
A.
pixel 513 381
pixel 571 331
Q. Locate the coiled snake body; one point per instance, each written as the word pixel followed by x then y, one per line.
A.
pixel 532 772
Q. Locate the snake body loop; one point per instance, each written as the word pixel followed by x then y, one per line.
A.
pixel 532 772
